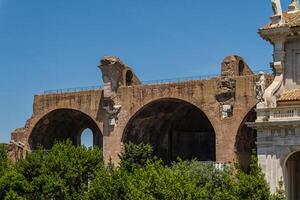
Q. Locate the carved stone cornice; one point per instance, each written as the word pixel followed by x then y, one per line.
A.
pixel 273 124
pixel 275 34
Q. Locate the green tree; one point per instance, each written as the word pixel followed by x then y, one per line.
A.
pixel 12 183
pixel 135 155
pixel 52 187
pixel 280 193
pixel 61 173
pixel 69 172
pixel 252 186
pixel 109 184
pixel 3 160
pixel 156 181
pixel 11 195
pixel 31 166
pixel 212 183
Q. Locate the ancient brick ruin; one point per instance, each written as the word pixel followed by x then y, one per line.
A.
pixel 219 119
pixel 203 119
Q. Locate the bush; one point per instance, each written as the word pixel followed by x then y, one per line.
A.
pixel 3 160
pixel 212 183
pixel 70 172
pixel 108 184
pixel 49 187
pixel 61 173
pixel 12 183
pixel 135 155
pixel 155 181
pixel 280 193
pixel 31 166
pixel 252 186
pixel 11 195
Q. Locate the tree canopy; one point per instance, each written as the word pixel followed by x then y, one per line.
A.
pixel 75 172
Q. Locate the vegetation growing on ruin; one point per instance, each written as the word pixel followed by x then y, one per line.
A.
pixel 69 172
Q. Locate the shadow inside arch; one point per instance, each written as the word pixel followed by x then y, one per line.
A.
pixel 61 125
pixel 175 128
pixel 245 141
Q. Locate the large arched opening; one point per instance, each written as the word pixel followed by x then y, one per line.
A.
pixel 63 124
pixel 293 176
pixel 245 142
pixel 175 129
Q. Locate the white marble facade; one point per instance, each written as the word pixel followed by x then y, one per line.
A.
pixel 278 112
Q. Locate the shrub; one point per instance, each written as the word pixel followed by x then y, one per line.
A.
pixel 280 193
pixel 135 155
pixel 70 172
pixel 3 160
pixel 156 181
pixel 252 186
pixel 63 172
pixel 108 184
pixel 11 195
pixel 12 183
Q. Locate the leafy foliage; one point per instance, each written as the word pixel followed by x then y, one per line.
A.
pixel 70 172
pixel 13 184
pixel 12 195
pixel 62 173
pixel 253 185
pixel 109 184
pixel 135 155
pixel 3 160
pixel 280 193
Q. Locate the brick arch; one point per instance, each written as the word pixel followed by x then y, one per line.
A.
pixel 61 124
pixel 174 127
pixel 133 111
pixel 245 139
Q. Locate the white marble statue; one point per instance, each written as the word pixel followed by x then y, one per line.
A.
pixel 295 2
pixel 261 87
pixel 294 5
pixel 276 5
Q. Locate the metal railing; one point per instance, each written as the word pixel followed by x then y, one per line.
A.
pixel 69 90
pixel 150 82
pixel 195 78
pixel 180 79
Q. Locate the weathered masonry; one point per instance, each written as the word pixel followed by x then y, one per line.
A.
pixel 203 119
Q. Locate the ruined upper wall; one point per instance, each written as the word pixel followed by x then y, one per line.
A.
pixel 225 99
pixel 115 73
pixel 86 101
pixel 200 93
pixel 235 66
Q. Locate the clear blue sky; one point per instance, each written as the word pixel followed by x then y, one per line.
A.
pixel 53 44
